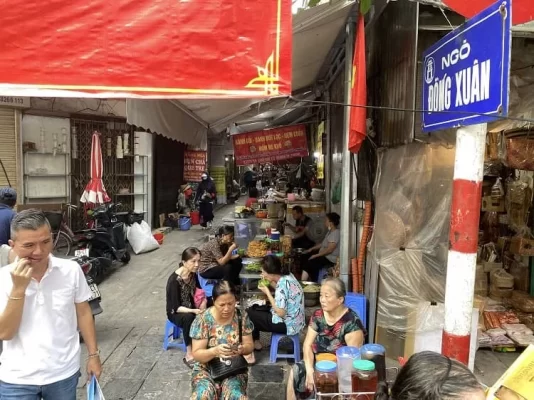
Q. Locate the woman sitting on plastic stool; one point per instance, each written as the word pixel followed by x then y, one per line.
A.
pixel 217 261
pixel 286 316
pixel 333 326
pixel 181 287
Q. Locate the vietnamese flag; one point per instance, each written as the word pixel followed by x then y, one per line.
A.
pixel 358 115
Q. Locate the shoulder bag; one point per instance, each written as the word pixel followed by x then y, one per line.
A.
pixel 223 368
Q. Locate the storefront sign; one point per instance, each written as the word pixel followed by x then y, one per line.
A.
pixel 136 48
pixel 15 102
pixel 194 165
pixel 319 149
pixel 270 145
pixel 466 74
pixel 218 174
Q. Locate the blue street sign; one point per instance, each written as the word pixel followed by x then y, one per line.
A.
pixel 467 73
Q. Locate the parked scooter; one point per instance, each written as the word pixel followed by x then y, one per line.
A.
pixel 88 267
pixel 107 240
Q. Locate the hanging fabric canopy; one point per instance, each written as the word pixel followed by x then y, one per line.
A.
pixel 95 192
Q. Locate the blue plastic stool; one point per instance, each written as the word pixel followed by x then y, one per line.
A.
pixel 357 303
pixel 207 285
pixel 175 332
pixel 275 339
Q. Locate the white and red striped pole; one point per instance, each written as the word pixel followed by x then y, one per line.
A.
pixel 463 240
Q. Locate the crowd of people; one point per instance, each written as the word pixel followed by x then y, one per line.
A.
pixel 44 309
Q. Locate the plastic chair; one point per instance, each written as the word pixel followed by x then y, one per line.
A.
pixel 275 340
pixel 175 332
pixel 357 303
pixel 207 285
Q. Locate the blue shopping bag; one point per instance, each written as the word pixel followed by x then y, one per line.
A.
pixel 94 392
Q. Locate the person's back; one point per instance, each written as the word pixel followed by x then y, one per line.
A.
pixel 8 199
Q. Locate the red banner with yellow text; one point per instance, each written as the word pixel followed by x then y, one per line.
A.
pixel 194 165
pixel 145 48
pixel 270 146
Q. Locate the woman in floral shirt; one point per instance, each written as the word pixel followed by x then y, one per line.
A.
pixel 286 316
pixel 333 326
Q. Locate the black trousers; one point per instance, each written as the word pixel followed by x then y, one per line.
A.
pixel 184 321
pixel 262 319
pixel 312 267
pixel 229 272
pixel 206 212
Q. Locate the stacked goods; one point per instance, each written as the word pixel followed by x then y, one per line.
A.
pixel 481 281
pixel 286 244
pixel 502 284
pixel 257 249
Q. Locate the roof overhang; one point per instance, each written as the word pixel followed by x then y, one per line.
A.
pixel 315 32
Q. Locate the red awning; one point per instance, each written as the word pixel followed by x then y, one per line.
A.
pixel 146 48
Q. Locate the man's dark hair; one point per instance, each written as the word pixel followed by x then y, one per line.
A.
pixel 298 209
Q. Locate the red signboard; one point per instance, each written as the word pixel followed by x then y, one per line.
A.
pixel 146 48
pixel 194 165
pixel 270 145
pixel 522 10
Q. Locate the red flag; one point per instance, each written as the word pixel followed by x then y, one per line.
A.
pixel 522 10
pixel 358 115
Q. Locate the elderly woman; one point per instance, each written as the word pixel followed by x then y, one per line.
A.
pixel 286 316
pixel 215 333
pixel 431 376
pixel 331 327
pixel 181 288
pixel 324 254
pixel 217 261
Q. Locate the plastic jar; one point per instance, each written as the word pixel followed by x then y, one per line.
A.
pixel 345 358
pixel 325 377
pixel 364 376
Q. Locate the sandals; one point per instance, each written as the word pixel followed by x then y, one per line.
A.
pixel 189 364
pixel 258 347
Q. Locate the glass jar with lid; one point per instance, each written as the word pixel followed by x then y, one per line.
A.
pixel 364 376
pixel 325 377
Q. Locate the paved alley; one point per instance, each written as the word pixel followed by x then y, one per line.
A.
pixel 130 330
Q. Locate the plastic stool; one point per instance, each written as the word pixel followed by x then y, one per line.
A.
pixel 176 332
pixel 275 339
pixel 357 303
pixel 207 285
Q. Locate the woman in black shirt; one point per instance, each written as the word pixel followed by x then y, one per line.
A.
pixel 181 287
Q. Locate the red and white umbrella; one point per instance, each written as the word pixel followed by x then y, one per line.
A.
pixel 95 192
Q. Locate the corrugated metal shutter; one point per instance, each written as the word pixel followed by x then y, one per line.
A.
pixel 8 147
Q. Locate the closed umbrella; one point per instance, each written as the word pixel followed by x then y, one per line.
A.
pixel 95 192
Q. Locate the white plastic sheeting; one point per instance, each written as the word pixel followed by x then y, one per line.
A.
pixel 410 241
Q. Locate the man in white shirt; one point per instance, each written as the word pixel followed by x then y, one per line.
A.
pixel 43 302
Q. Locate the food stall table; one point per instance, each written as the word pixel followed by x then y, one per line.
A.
pixel 246 279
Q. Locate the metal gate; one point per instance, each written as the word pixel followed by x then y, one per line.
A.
pixel 118 174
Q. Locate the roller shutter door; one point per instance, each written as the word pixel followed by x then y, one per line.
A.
pixel 8 147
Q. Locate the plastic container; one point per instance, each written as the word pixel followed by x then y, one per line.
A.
pixel 325 377
pixel 364 376
pixel 377 354
pixel 195 217
pixel 326 357
pixel 345 358
pixel 185 223
pixel 275 235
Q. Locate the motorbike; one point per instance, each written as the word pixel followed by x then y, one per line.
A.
pixel 106 241
pixel 88 267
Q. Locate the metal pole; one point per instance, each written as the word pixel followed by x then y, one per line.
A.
pixel 463 240
pixel 345 249
pixel 328 156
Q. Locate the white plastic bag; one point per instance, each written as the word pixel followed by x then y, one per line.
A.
pixel 141 239
pixel 94 392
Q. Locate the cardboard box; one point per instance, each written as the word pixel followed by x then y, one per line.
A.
pixel 490 204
